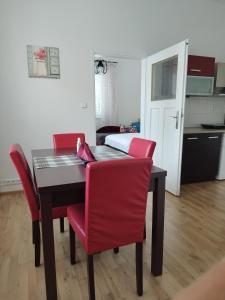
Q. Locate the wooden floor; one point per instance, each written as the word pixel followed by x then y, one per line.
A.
pixel 194 240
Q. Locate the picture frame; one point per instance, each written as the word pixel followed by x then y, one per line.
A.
pixel 43 62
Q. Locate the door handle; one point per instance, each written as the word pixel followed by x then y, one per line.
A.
pixel 192 138
pixel 177 118
pixel 195 70
pixel 213 137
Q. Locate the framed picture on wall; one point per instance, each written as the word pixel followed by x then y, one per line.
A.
pixel 43 62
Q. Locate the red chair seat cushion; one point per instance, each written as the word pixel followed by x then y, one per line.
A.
pixel 57 212
pixel 76 217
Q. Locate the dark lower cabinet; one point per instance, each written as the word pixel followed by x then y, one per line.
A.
pixel 201 155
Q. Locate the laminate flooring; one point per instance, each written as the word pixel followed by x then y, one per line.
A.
pixel 194 240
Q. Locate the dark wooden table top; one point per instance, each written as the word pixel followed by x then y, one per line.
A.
pixel 67 177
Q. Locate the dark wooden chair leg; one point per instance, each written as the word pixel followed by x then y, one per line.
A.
pixel 37 242
pixel 33 233
pixel 72 246
pixel 91 280
pixel 139 268
pixel 61 224
pixel 116 250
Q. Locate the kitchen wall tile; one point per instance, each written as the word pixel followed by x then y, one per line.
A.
pixel 199 105
pixel 219 105
pixel 200 110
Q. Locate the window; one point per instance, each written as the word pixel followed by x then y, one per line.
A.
pixel 98 95
pixel 105 104
pixel 164 79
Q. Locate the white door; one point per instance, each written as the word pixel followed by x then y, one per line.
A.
pixel 163 101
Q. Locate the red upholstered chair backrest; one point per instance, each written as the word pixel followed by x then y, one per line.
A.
pixel 23 170
pixel 141 148
pixel 67 140
pixel 115 202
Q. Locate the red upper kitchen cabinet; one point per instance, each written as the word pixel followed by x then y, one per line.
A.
pixel 201 65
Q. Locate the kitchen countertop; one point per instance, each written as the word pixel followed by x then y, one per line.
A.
pixel 201 130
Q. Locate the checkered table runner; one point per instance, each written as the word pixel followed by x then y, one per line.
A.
pixel 70 160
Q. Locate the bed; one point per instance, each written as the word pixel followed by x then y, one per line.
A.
pixel 120 141
pixel 102 132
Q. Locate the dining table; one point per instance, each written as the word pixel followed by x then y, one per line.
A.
pixel 59 178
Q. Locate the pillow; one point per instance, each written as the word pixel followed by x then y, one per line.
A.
pixel 136 125
pixel 133 128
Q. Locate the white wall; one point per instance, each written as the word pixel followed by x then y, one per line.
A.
pixel 200 110
pixel 128 90
pixel 32 109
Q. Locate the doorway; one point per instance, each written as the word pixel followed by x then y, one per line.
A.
pixel 117 93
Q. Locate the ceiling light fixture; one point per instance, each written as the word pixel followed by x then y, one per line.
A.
pixel 100 66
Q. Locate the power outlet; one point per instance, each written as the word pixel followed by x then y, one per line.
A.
pixel 83 105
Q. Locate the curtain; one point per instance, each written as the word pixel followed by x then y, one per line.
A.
pixel 106 106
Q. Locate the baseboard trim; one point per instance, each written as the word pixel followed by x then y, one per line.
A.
pixel 10 185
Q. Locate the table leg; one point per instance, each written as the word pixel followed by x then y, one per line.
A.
pixel 48 246
pixel 158 210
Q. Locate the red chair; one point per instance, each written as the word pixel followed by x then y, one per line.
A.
pixel 67 140
pixel 23 170
pixel 114 211
pixel 141 148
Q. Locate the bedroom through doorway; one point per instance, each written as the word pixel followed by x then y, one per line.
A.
pixel 117 95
